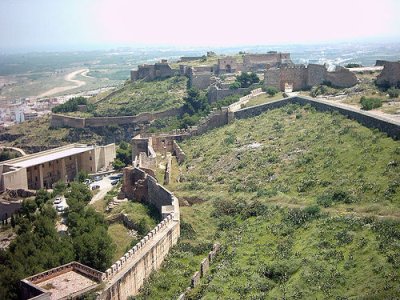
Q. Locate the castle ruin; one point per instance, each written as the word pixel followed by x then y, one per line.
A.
pixel 159 70
pixel 390 75
pixel 300 77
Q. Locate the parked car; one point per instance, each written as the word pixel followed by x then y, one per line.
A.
pixel 88 181
pixel 57 200
pixel 97 178
pixel 114 182
pixel 60 208
pixel 95 187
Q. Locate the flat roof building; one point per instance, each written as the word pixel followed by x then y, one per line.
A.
pixel 69 281
pixel 43 169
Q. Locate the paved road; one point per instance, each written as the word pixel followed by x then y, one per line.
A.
pixel 105 186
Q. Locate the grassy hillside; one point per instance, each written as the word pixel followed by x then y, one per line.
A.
pixel 298 156
pixel 141 96
pixel 37 135
pixel 305 204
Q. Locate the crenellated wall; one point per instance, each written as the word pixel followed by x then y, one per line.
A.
pixel 127 275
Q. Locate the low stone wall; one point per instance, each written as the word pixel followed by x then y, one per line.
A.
pixel 242 101
pixel 178 152
pixel 215 94
pixel 390 127
pixel 58 120
pixel 168 171
pixel 72 266
pixel 204 266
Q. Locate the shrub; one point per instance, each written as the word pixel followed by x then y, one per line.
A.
pixel 228 207
pixel 370 103
pixel 353 65
pixel 393 93
pixel 234 86
pixel 299 217
pixel 271 91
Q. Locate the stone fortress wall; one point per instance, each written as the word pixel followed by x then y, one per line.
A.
pixel 127 275
pixel 300 77
pixel 59 120
pixel 150 72
pixel 390 73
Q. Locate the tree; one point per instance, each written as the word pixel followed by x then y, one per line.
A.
pixel 82 176
pixel 42 196
pixel 28 207
pixel 272 91
pixel 79 191
pixel 246 79
pixel 195 102
pixel 71 105
pixel 235 85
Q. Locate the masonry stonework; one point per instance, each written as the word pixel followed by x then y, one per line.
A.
pixel 390 74
pixel 299 77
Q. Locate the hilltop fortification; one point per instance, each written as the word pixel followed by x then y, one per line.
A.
pixel 299 77
pixel 390 74
pixel 159 70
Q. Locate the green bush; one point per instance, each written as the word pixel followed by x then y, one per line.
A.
pixel 271 91
pixel 393 93
pixel 370 103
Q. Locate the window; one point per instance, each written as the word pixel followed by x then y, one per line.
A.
pixel 49 163
pixel 90 158
pixel 35 178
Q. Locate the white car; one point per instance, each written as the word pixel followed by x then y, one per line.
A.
pixel 60 208
pixel 58 200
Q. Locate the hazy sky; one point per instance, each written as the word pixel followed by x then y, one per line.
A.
pixel 41 24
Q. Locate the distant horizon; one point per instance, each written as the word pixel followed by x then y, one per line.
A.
pixel 79 25
pixel 186 48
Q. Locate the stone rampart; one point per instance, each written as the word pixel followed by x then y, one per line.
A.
pixel 215 93
pixel 300 77
pixel 390 127
pixel 126 276
pixel 58 120
pixel 390 75
pixel 242 101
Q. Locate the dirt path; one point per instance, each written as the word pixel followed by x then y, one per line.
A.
pixel 70 78
pixel 22 152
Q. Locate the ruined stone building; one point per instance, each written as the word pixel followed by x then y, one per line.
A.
pixel 150 72
pixel 43 169
pixel 299 77
pixel 256 62
pixel 390 75
pixel 252 62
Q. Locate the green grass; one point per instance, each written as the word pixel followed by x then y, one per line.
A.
pixel 266 257
pixel 134 98
pixel 137 212
pixel 296 155
pixel 263 98
pixel 254 182
pixel 121 238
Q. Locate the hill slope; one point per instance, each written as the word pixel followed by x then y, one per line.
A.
pixel 293 197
